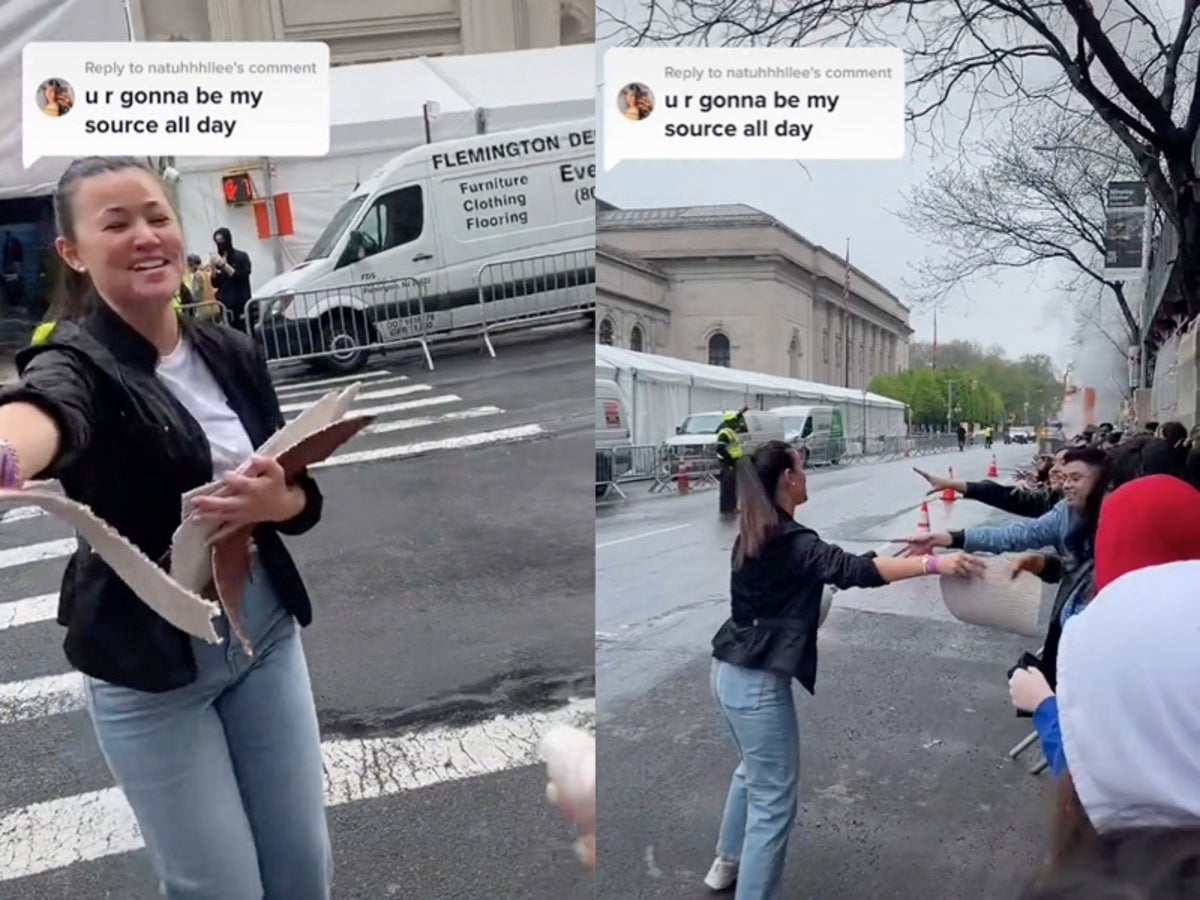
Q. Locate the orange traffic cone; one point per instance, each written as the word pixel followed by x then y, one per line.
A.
pixel 682 482
pixel 993 471
pixel 923 521
pixel 948 494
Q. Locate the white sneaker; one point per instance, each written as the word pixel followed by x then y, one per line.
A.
pixel 723 874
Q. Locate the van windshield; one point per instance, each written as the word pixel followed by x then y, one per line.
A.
pixel 701 424
pixel 792 424
pixel 337 225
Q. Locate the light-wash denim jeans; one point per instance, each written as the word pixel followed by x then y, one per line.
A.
pixel 224 775
pixel 761 807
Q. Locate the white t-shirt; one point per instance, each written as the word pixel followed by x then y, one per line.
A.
pixel 188 378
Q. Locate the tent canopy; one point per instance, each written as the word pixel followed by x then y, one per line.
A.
pixel 25 21
pixel 681 371
pixel 663 391
pixel 379 107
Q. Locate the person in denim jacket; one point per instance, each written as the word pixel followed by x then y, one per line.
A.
pixel 1068 529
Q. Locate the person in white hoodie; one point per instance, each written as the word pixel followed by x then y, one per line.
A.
pixel 1128 693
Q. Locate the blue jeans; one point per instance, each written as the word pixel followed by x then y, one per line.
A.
pixel 224 775
pixel 761 807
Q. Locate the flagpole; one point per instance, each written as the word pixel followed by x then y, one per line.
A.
pixel 935 339
pixel 846 311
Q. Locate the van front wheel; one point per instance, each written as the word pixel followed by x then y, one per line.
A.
pixel 343 338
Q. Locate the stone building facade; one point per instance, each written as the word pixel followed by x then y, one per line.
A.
pixel 373 30
pixel 732 286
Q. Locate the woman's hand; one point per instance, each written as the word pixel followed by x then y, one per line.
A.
pixel 962 565
pixel 937 485
pixel 1028 688
pixel 1033 563
pixel 257 494
pixel 922 544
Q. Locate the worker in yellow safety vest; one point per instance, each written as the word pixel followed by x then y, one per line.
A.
pixel 729 450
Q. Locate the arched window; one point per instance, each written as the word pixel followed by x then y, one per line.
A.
pixel 719 350
pixel 635 339
pixel 606 332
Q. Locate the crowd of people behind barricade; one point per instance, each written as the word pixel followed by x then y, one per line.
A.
pixel 1113 519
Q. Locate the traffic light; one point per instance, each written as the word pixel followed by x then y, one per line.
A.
pixel 238 188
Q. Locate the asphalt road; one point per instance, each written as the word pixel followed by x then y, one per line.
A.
pixel 452 577
pixel 907 790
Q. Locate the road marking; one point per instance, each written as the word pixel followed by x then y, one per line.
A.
pixel 28 610
pixel 340 379
pixel 502 436
pixel 34 698
pixel 638 537
pixel 477 412
pixel 420 403
pixel 369 395
pixel 21 513
pixel 29 553
pixel 56 833
pixel 301 389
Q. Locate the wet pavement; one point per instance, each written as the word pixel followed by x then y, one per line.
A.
pixel 907 788
pixel 451 577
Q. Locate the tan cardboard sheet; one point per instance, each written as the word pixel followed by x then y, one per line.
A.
pixel 996 600
pixel 197 550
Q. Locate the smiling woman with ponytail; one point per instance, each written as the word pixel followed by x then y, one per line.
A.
pixel 130 406
pixel 779 571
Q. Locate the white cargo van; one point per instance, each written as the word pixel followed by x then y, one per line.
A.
pixel 432 218
pixel 818 429
pixel 614 435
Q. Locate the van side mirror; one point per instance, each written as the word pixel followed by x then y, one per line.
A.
pixel 679 429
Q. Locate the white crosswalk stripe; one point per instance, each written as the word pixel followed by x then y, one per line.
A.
pixel 73 823
pixel 291 393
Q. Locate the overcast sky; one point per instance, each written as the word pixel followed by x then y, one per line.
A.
pixel 832 201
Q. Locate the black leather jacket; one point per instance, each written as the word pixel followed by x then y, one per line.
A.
pixel 129 450
pixel 776 601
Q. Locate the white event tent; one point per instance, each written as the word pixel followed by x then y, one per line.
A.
pixel 663 391
pixel 377 113
pixel 25 21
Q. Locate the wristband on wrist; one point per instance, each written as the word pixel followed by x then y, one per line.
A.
pixel 10 466
pixel 931 565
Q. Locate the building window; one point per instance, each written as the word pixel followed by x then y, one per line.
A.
pixel 605 335
pixel 635 339
pixel 825 344
pixel 719 350
pixel 862 356
pixel 840 361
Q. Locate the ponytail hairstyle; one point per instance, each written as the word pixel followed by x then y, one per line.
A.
pixel 73 295
pixel 758 477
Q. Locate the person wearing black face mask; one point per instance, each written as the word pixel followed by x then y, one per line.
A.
pixel 231 276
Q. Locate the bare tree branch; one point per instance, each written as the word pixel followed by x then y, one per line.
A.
pixel 975 63
pixel 1040 198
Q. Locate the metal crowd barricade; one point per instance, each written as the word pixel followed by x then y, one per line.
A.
pixel 342 324
pixel 535 290
pixel 212 310
pixel 606 474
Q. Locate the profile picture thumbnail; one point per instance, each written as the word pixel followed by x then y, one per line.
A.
pixel 635 101
pixel 55 97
